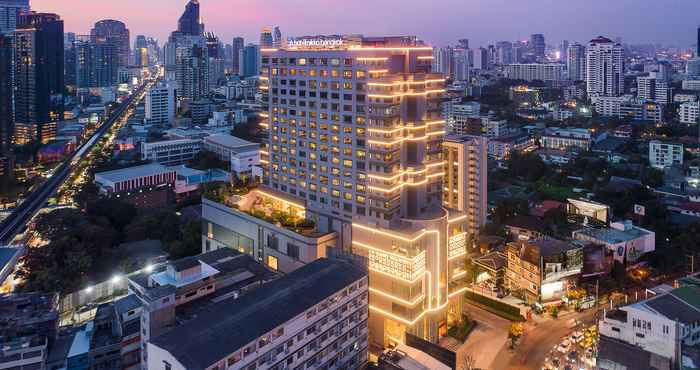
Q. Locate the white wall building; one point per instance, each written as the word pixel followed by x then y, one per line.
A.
pixel 535 71
pixel 661 324
pixel 605 70
pixel 567 138
pixel 171 152
pixel 161 104
pixel 662 154
pixel 689 112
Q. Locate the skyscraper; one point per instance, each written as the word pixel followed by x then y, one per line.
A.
pixel 277 40
pixel 141 55
pixel 192 73
pixel 97 62
pixel 39 83
pixel 564 51
pixel 504 53
pixel 250 60
pixel 371 170
pixel 236 50
pixel 537 45
pixel 114 32
pixel 605 68
pixel 697 51
pixel 190 22
pixel 463 43
pixel 6 106
pixel 9 11
pixel 576 62
pixel 266 39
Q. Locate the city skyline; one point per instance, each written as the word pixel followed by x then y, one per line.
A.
pixel 481 21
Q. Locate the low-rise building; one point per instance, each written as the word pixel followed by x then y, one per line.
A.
pixel 171 152
pixel 172 295
pixel 535 71
pixel 131 179
pixel 315 317
pixel 570 138
pixel 543 270
pixel 626 241
pixel 29 325
pixel 500 148
pixel 665 154
pixel 661 325
pixel 242 155
pixel 250 227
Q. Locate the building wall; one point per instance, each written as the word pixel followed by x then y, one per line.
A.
pixel 653 333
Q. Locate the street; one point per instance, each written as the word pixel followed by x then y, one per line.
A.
pixel 488 344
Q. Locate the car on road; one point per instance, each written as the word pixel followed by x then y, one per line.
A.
pixel 564 346
pixel 577 336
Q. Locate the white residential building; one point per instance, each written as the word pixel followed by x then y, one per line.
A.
pixel 313 318
pixel 161 104
pixel 662 154
pixel 628 107
pixel 689 112
pixel 661 324
pixel 461 117
pixel 605 70
pixel 535 71
pixel 171 152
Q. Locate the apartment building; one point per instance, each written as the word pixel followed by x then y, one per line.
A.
pixel 465 185
pixel 161 104
pixel 605 68
pixel 355 132
pixel 313 318
pixel 688 112
pixel 665 154
pixel 535 71
pixel 692 85
pixel 463 117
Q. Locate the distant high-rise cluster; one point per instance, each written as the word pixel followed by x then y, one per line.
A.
pixel 9 11
pixel 114 32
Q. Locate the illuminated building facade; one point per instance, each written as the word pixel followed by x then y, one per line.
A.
pixel 356 132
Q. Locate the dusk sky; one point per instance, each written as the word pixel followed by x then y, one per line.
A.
pixel 439 22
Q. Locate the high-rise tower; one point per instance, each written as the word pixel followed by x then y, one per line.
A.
pixel 355 133
pixel 9 11
pixel 38 77
pixel 190 22
pixel 115 32
pixel 605 69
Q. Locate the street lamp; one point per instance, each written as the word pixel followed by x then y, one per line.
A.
pixel 116 279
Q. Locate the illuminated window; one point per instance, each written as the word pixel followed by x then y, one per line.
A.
pixel 272 262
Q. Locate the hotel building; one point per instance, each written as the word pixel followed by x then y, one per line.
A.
pixel 356 133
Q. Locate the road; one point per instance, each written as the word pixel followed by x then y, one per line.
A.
pixel 10 227
pixel 539 338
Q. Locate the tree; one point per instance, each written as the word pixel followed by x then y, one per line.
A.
pixel 516 331
pixel 468 362
pixel 554 312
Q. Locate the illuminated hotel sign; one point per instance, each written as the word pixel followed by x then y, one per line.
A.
pixel 318 42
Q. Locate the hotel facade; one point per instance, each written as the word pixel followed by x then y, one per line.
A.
pixel 355 133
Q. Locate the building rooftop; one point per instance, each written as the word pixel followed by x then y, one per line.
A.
pixel 630 356
pixel 614 236
pixel 133 172
pixel 230 141
pixel 197 344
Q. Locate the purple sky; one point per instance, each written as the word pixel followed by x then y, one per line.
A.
pixel 439 22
